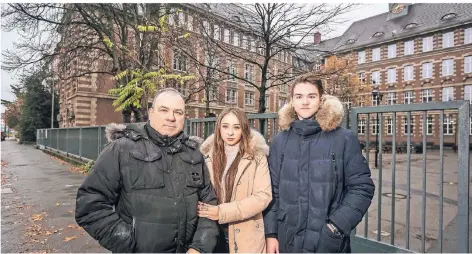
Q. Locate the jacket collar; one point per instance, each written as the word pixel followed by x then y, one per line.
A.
pixel 329 116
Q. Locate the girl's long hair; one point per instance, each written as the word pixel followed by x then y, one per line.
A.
pixel 219 156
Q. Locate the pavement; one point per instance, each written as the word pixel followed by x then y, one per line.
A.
pixel 38 203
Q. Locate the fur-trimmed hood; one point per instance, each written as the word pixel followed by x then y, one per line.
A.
pixel 329 116
pixel 258 144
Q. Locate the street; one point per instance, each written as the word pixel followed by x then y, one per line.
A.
pixel 38 203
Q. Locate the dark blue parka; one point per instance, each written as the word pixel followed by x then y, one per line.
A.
pixel 318 174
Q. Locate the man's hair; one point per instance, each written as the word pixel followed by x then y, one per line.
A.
pixel 166 90
pixel 311 79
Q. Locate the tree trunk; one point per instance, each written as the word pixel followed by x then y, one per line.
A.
pixel 126 115
pixel 207 102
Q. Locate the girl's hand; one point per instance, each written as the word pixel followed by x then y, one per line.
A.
pixel 208 211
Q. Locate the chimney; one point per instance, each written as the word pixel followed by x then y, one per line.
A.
pixel 317 38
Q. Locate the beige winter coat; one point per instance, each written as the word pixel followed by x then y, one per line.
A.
pixel 251 195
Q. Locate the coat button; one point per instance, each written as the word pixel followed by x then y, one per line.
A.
pixel 193 162
pixel 237 230
pixel 239 182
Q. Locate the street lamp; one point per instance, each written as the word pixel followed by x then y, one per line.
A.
pixel 377 96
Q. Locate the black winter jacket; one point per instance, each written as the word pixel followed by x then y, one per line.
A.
pixel 318 174
pixel 133 202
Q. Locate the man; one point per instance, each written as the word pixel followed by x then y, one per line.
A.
pixel 321 183
pixel 143 190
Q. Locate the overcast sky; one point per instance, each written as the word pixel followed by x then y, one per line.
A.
pixel 361 12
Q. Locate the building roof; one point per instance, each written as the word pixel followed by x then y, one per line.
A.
pixel 426 16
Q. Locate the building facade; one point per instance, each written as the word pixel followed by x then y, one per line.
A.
pixel 85 101
pixel 418 53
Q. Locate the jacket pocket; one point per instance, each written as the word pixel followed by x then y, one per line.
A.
pixel 330 242
pixel 194 170
pixel 145 172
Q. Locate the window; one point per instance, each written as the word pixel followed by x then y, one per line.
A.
pixel 181 18
pixel 361 77
pixel 427 70
pixel 429 125
pixel 470 126
pixel 231 70
pixel 376 54
pixel 468 93
pixel 411 26
pixel 468 35
pixel 206 28
pixel 235 39
pixel 409 47
pixel 248 98
pixel 427 95
pixel 217 33
pixel 448 94
pixel 447 67
pixel 389 126
pixel 226 36
pixel 375 126
pixel 392 51
pixel 361 101
pixel 267 100
pixel 189 23
pixel 408 97
pixel 468 64
pixel 361 57
pixel 282 102
pixel 427 44
pixel 283 88
pixel 213 93
pixel 405 125
pixel 392 75
pixel 408 72
pixel 377 34
pixel 376 77
pixel 391 98
pixel 361 128
pixel 448 126
pixel 449 16
pixel 374 100
pixel 249 72
pixel 179 62
pixel 231 95
pixel 448 40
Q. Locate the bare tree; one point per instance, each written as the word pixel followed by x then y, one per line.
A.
pixel 112 39
pixel 263 36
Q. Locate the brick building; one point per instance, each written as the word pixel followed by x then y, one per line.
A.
pixel 85 100
pixel 417 53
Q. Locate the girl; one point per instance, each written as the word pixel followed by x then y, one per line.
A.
pixel 236 159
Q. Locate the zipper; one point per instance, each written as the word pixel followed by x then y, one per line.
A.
pixel 134 223
pixel 235 243
pixel 333 161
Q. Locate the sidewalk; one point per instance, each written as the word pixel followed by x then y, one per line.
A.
pixel 38 203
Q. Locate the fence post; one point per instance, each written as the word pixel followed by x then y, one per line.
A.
pixel 57 139
pixel 99 139
pixel 67 142
pixel 80 142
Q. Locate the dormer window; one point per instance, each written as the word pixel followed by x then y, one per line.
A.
pixel 449 16
pixel 237 18
pixel 350 41
pixel 377 34
pixel 411 25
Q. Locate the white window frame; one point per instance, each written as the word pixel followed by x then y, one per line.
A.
pixel 267 101
pixel 361 57
pixel 428 94
pixel 213 93
pixel 375 77
pixel 391 98
pixel 468 35
pixel 374 100
pixel 216 32
pixel 362 127
pixel 178 61
pixel 392 51
pixel 235 38
pixel 249 98
pixel 375 126
pixel 282 102
pixel 447 67
pixel 428 44
pixel 389 124
pixel 448 127
pixel 427 70
pixel 376 54
pixel 231 95
pixel 189 22
pixel 361 77
pixel 408 73
pixel 429 125
pixel 227 36
pixel 468 93
pixel 408 97
pixel 231 69
pixel 405 125
pixel 448 40
pixel 181 18
pixel 249 72
pixel 468 64
pixel 392 75
pixel 447 94
pixel 409 48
